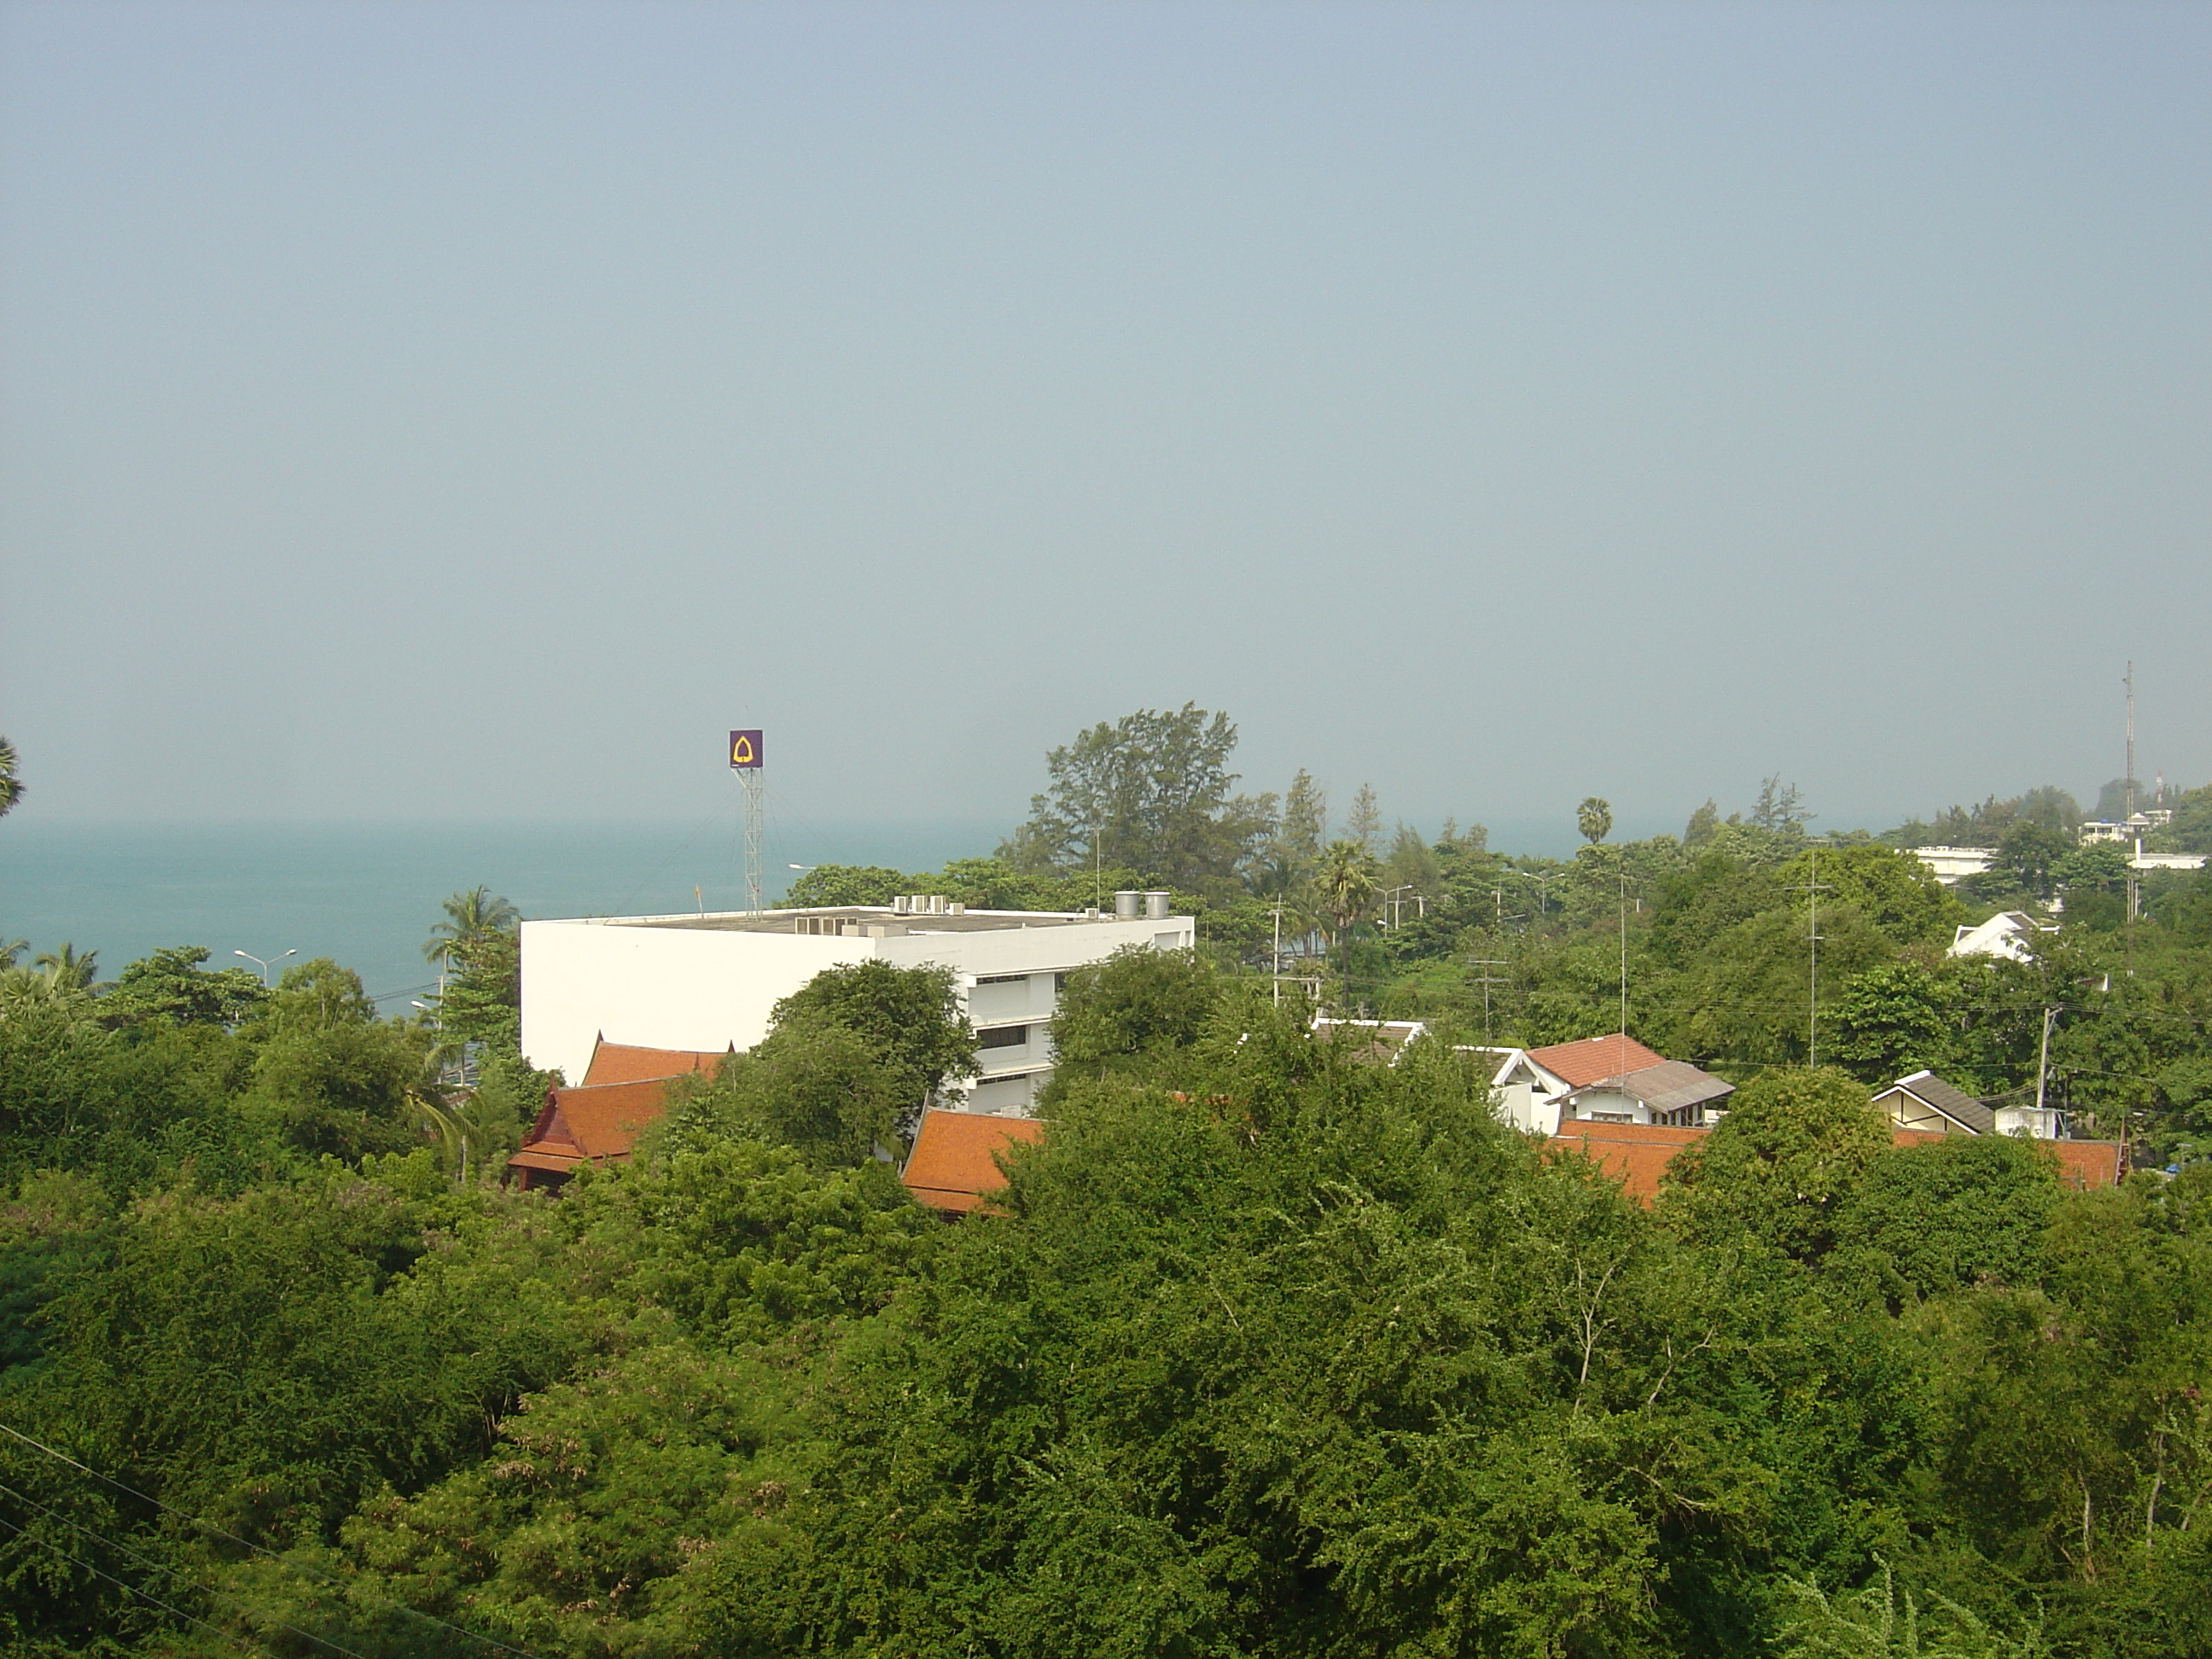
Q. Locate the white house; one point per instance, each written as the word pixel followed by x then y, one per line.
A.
pixel 2005 935
pixel 706 983
pixel 1925 1105
pixel 1672 1093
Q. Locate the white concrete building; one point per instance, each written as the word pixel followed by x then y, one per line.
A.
pixel 2143 860
pixel 706 983
pixel 1952 864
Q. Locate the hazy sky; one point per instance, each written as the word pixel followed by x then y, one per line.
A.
pixel 473 410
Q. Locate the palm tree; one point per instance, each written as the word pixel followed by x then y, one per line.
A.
pixel 468 915
pixel 1594 818
pixel 11 786
pixel 1346 885
pixel 65 969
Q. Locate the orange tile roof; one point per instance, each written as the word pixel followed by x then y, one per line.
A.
pixel 2083 1165
pixel 621 1062
pixel 1634 1154
pixel 1595 1058
pixel 1637 1154
pixel 955 1158
pixel 594 1123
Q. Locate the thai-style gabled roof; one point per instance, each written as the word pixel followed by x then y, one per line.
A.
pixel 955 1159
pixel 594 1124
pixel 621 1062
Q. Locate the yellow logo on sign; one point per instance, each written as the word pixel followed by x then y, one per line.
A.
pixel 741 752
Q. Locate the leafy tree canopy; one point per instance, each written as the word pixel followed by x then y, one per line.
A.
pixel 1150 792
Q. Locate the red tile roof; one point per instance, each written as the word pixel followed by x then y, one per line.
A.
pixel 1596 1058
pixel 955 1158
pixel 619 1062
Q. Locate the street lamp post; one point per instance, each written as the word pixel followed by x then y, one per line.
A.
pixel 264 966
pixel 1543 889
pixel 1393 904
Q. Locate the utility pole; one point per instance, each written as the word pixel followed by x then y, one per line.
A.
pixel 2135 889
pixel 1486 981
pixel 1277 957
pixel 2043 1064
pixel 1623 969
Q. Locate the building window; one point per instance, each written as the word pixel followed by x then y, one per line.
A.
pixel 1003 1036
pixel 1003 979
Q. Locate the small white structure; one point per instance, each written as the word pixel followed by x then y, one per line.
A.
pixel 1525 1093
pixel 706 982
pixel 1952 864
pixel 1925 1105
pixel 2005 935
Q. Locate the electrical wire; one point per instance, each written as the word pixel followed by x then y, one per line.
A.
pixel 124 1549
pixel 247 1543
pixel 133 1590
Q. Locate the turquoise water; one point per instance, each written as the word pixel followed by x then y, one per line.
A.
pixel 367 895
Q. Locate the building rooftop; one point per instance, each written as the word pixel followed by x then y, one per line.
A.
pixel 1669 1086
pixel 624 1062
pixel 1594 1058
pixel 865 920
pixel 955 1159
pixel 1930 1090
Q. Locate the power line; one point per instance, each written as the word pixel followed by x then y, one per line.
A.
pixel 247 1543
pixel 124 1549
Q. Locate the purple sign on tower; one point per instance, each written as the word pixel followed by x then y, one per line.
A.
pixel 746 750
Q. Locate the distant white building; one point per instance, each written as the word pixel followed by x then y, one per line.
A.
pixel 2167 861
pixel 2122 830
pixel 707 984
pixel 1952 864
pixel 2005 935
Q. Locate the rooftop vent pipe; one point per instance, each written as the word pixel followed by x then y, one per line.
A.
pixel 1127 905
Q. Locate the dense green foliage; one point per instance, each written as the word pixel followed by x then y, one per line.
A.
pixel 1274 1351
pixel 1269 1348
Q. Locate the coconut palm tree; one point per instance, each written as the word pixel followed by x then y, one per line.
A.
pixel 468 915
pixel 1594 818
pixel 65 969
pixel 1346 887
pixel 11 786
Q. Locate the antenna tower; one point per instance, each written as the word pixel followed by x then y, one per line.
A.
pixel 2128 778
pixel 745 756
pixel 751 781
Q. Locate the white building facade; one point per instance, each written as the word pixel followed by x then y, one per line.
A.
pixel 706 983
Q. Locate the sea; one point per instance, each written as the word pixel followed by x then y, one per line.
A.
pixel 367 896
